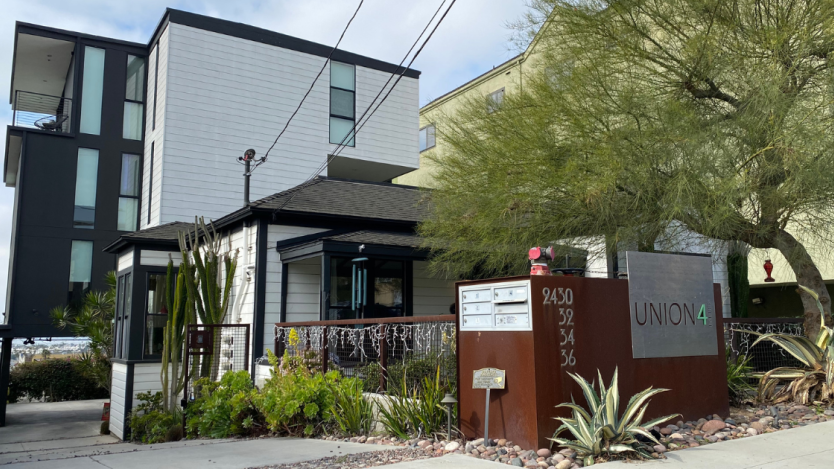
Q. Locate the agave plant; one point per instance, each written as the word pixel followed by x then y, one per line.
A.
pixel 601 429
pixel 809 383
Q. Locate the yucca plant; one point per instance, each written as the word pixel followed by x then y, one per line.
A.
pixel 739 373
pixel 813 381
pixel 352 412
pixel 601 429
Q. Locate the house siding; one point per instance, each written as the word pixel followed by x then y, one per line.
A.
pixel 225 94
pixel 432 296
pixel 155 135
pixel 117 399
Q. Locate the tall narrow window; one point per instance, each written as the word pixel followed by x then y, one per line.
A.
pixel 132 123
pixel 150 185
pixel 86 176
pixel 120 300
pixel 157 315
pixel 427 139
pixel 155 81
pixel 81 267
pixel 91 91
pixel 129 193
pixel 342 103
pixel 126 315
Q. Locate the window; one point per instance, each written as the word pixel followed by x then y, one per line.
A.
pixel 155 80
pixel 86 177
pixel 124 296
pixel 427 137
pixel 129 193
pixel 150 185
pixel 81 266
pixel 156 316
pixel 342 103
pixel 494 100
pixel 132 123
pixel 91 91
pixel 366 288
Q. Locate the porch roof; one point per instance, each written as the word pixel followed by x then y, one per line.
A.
pixel 371 242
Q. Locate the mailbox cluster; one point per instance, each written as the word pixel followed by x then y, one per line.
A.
pixel 504 306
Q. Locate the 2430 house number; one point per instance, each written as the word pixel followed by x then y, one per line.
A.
pixel 563 297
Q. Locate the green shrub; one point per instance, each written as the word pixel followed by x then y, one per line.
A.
pixel 224 409
pixel 353 413
pixel 300 403
pixel 54 380
pixel 149 423
pixel 409 414
pixel 411 372
pixel 739 374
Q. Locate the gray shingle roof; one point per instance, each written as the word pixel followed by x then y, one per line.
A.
pixel 385 238
pixel 348 198
pixel 167 231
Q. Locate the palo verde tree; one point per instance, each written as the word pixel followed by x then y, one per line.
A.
pixel 650 121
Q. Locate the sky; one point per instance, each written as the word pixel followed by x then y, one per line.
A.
pixel 473 38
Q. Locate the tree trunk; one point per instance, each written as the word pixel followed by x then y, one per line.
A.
pixel 809 276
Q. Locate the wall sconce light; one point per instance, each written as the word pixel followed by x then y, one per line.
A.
pixel 757 301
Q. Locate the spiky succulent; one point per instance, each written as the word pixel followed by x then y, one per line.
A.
pixel 601 429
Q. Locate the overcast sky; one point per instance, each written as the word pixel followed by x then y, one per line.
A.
pixel 472 39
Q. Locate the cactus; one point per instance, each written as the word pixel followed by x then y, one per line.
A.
pixel 202 264
pixel 180 315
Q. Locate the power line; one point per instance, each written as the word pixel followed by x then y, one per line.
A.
pixel 314 82
pixel 354 130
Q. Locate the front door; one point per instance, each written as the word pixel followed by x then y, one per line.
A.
pixel 363 288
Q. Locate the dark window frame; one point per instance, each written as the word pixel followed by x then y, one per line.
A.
pixel 138 196
pixel 98 165
pixel 337 116
pixel 372 275
pixel 121 331
pixel 142 101
pixel 147 306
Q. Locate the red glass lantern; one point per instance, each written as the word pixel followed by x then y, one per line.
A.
pixel 768 267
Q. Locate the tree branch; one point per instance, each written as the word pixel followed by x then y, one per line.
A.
pixel 714 92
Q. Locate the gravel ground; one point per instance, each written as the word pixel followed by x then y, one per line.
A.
pixel 360 460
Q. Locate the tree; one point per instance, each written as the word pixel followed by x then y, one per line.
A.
pixel 93 318
pixel 650 122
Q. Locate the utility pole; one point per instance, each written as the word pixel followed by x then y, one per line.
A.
pixel 247 159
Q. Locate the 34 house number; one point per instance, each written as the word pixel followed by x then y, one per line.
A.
pixel 563 296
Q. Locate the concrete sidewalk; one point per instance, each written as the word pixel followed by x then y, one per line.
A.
pixel 806 447
pixel 217 454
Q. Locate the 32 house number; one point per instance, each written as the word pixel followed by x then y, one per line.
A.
pixel 563 296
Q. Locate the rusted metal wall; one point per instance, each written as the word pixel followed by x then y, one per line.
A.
pixel 537 381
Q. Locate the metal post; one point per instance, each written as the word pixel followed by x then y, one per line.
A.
pixel 449 423
pixel 383 357
pixel 5 366
pixel 486 421
pixel 324 354
pixel 246 177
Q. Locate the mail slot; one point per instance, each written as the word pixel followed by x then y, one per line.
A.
pixel 477 321
pixel 476 295
pixel 511 294
pixel 477 308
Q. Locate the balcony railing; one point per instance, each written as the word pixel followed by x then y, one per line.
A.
pixel 41 111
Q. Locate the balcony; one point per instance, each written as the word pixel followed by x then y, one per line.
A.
pixel 43 112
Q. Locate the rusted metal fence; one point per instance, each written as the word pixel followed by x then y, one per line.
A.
pixel 386 353
pixel 214 349
pixel 764 356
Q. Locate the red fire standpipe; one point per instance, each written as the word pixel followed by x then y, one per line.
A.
pixel 538 258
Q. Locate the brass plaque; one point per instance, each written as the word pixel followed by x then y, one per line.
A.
pixel 489 378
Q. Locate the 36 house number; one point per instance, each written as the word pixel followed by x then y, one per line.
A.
pixel 563 296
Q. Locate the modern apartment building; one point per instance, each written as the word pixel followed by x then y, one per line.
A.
pixel 116 147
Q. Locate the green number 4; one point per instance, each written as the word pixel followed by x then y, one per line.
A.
pixel 702 315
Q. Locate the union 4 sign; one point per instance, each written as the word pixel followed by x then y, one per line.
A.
pixel 672 305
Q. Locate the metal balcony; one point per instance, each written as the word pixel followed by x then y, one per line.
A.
pixel 43 112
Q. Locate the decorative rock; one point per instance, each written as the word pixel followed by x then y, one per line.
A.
pixel 532 464
pixel 452 446
pixel 478 442
pixel 502 442
pixel 565 464
pixel 713 426
pixel 558 457
pixel 421 444
pixel 730 421
pixel 659 449
pixel 713 439
pixel 517 448
pixel 666 431
pixel 517 462
pixel 752 432
pixel 544 452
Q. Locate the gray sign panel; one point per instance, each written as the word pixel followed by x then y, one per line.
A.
pixel 671 304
